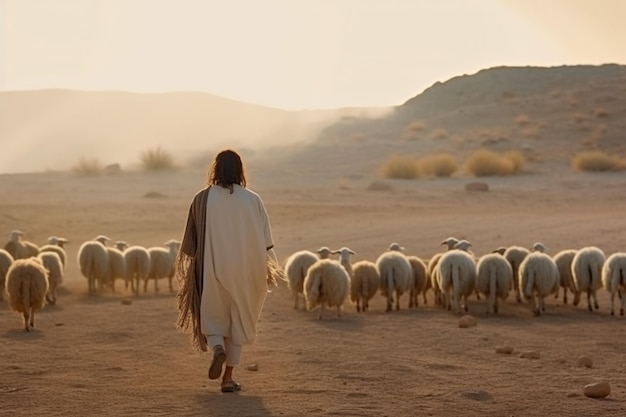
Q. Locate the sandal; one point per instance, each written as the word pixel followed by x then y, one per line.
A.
pixel 219 357
pixel 231 386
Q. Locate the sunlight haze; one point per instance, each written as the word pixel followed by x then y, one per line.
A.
pixel 294 54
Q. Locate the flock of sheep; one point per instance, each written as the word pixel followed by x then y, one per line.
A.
pixel 454 275
pixel 30 274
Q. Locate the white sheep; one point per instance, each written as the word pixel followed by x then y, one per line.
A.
pixel 117 266
pixel 137 259
pixel 344 258
pixel 456 271
pixel 326 284
pixel 538 278
pixel 364 284
pixel 52 262
pixel 432 268
pixel 494 276
pixel 563 261
pixel 93 260
pixel 296 267
pixel 587 273
pixel 162 264
pixel 18 248
pixel 614 279
pixel 27 286
pixel 395 276
pixel 419 279
pixel 516 255
pixel 5 262
pixel 56 249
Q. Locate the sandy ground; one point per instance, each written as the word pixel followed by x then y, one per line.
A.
pixel 98 356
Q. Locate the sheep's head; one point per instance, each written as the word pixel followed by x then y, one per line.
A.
pixel 102 239
pixel 463 245
pixel 396 247
pixel 450 242
pixel 538 247
pixel 16 235
pixel 121 245
pixel 500 250
pixel 345 253
pixel 324 252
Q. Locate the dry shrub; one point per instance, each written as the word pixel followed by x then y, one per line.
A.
pixel 522 120
pixel 157 160
pixel 601 113
pixel 438 165
pixel 439 134
pixel 401 167
pixel 88 166
pixel 598 161
pixel 485 163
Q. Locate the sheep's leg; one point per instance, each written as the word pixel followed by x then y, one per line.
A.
pixel 321 311
pixel 366 305
pixel 338 312
pixel 145 285
pixel 477 295
pixel 612 303
pixel 32 317
pixel 295 301
pixel 170 284
pixel 542 306
pixel 465 307
pixel 564 295
pixel 595 300
pixel 425 301
pixel 389 301
pixel 411 297
pixel 621 310
pixel 397 301
pixel 589 300
pixel 26 318
pixel 534 304
pixel 137 284
pixel 358 304
pixel 126 284
pixel 495 306
pixel 576 298
pixel 156 285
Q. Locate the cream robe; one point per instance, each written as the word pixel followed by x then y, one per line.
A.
pixel 238 234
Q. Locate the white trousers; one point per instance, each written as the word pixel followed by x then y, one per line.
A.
pixel 233 352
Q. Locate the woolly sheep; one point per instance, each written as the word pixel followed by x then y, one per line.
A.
pixel 456 271
pixel 538 278
pixel 515 255
pixel 326 284
pixel 117 266
pixel 587 273
pixel 395 276
pixel 162 264
pixel 563 261
pixel 494 276
pixel 52 262
pixel 27 285
pixel 296 267
pixel 432 268
pixel 614 279
pixel 5 262
pixel 18 248
pixel 344 258
pixel 93 260
pixel 418 281
pixel 56 249
pixel 137 259
pixel 364 284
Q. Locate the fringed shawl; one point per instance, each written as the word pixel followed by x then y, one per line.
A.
pixel 189 271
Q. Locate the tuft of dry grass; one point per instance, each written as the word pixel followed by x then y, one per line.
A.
pixel 485 163
pixel 157 160
pixel 601 113
pixel 522 120
pixel 88 166
pixel 598 161
pixel 400 167
pixel 438 165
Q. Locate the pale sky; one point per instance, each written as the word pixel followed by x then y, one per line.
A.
pixel 295 54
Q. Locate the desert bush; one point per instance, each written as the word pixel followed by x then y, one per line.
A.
pixel 88 166
pixel 485 163
pixel 598 161
pixel 438 165
pixel 157 160
pixel 402 167
pixel 601 113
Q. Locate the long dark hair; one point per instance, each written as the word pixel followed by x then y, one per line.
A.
pixel 226 170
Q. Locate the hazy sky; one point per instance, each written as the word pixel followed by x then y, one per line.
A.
pixel 295 53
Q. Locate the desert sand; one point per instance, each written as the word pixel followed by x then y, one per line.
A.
pixel 95 355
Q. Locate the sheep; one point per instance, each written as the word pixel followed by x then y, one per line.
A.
pixel 515 255
pixel 18 248
pixel 538 278
pixel 137 260
pixel 53 264
pixel 494 276
pixel 364 284
pixel 55 249
pixel 296 267
pixel 117 266
pixel 432 268
pixel 614 279
pixel 395 276
pixel 587 273
pixel 345 258
pixel 93 260
pixel 58 241
pixel 563 261
pixel 418 282
pixel 456 271
pixel 326 284
pixel 162 264
pixel 27 286
pixel 5 262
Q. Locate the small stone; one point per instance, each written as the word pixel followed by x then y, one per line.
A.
pixel 477 186
pixel 585 361
pixel 572 394
pixel 504 350
pixel 597 390
pixel 530 354
pixel 253 367
pixel 467 321
pixel 127 301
